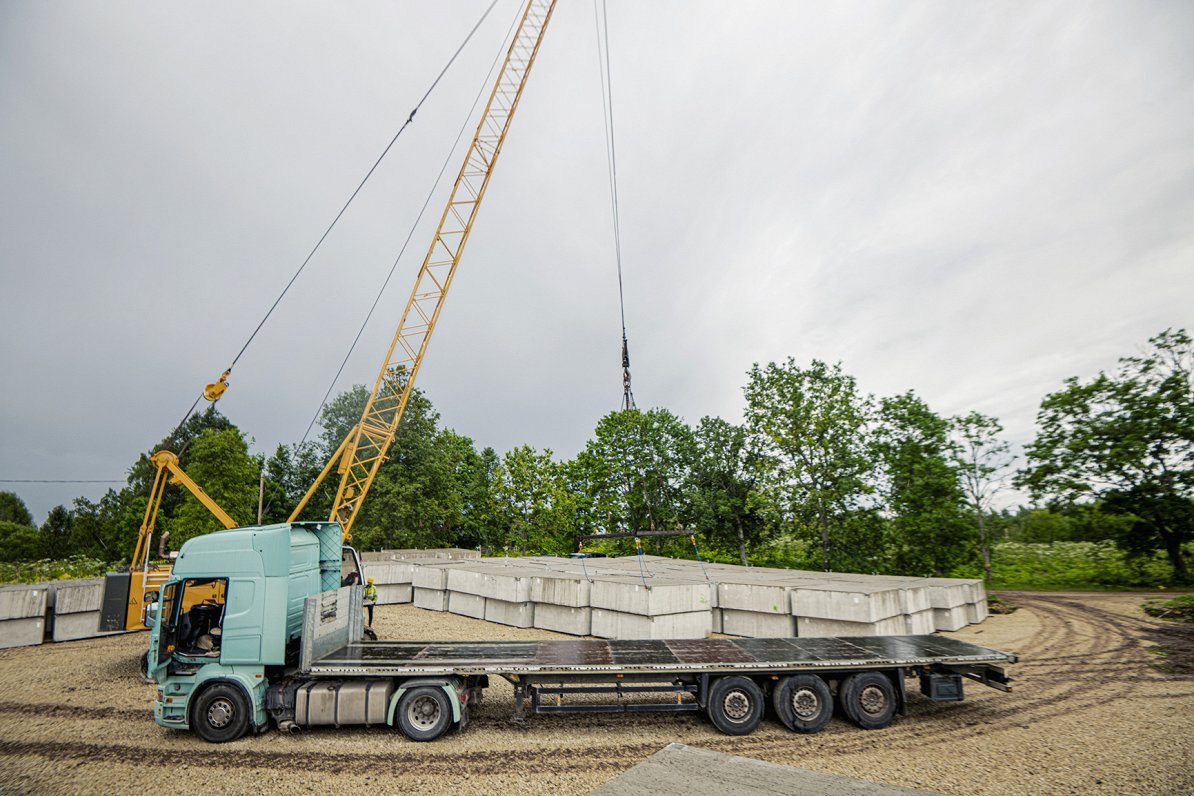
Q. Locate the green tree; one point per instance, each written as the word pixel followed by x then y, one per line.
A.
pixel 533 501
pixel 984 463
pixel 721 482
pixel 339 415
pixel 809 427
pixel 220 463
pixel 921 487
pixel 289 472
pixel 12 509
pixel 634 471
pixel 20 542
pixel 56 531
pixel 1126 438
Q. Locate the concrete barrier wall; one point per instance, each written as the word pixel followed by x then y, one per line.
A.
pixel 22 614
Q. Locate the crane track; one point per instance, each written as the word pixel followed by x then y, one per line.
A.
pixel 1106 649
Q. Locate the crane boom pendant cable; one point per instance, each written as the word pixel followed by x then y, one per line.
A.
pixel 213 392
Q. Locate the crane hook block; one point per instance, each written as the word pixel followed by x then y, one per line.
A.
pixel 213 392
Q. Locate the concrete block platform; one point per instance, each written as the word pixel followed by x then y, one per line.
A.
pixel 563 590
pixel 23 615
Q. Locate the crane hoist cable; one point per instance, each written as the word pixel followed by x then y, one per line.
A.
pixel 607 106
pixel 426 202
pixel 214 391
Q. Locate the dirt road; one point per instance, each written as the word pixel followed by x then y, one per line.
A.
pixel 1095 710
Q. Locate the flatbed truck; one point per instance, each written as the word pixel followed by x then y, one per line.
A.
pixel 277 639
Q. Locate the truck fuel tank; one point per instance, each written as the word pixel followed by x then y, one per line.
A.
pixel 335 702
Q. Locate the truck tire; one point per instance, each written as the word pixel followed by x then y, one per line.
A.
pixel 735 705
pixel 220 714
pixel 803 702
pixel 868 699
pixel 424 713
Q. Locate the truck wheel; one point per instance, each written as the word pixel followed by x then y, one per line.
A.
pixel 220 714
pixel 803 702
pixel 869 700
pixel 735 705
pixel 424 713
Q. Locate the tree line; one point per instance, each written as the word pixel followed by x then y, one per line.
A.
pixel 819 475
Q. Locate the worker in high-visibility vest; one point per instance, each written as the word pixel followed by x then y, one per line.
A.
pixel 370 599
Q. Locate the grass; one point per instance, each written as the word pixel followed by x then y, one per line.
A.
pixel 1064 566
pixel 1176 609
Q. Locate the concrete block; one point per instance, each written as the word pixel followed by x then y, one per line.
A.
pixel 921 623
pixel 431 599
pixel 755 624
pixel 562 591
pixel 915 599
pixel 630 596
pixel 615 624
pixel 465 581
pixel 951 619
pixel 69 627
pixel 716 617
pixel 508 613
pixel 22 632
pixel 23 601
pixel 391 572
pixel 755 597
pixel 394 593
pixel 946 592
pixel 78 596
pixel 564 619
pixel 812 627
pixel 977 612
pixel 466 604
pixel 847 603
pixel 430 576
pixel 510 587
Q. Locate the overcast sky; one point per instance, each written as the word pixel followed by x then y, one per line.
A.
pixel 970 200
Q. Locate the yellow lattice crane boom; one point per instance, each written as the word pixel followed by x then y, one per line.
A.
pixel 365 448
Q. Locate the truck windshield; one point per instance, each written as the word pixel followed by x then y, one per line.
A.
pixel 167 622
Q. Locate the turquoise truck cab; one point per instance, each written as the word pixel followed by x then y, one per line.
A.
pixel 231 613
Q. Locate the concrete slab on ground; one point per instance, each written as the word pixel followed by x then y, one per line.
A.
pixel 508 613
pixel 394 593
pixel 680 770
pixel 564 619
pixel 463 604
pixel 431 599
pixel 657 597
pixel 24 632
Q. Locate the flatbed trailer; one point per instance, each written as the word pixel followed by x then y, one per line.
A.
pixel 729 679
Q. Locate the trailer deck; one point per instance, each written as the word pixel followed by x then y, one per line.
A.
pixel 597 657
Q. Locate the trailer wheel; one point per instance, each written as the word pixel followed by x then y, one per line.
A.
pixel 803 702
pixel 424 713
pixel 868 699
pixel 220 714
pixel 735 705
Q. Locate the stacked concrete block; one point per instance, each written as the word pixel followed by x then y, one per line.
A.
pixel 77 609
pixel 466 604
pixel 22 615
pixel 651 597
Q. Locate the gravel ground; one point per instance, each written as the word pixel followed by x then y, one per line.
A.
pixel 1095 710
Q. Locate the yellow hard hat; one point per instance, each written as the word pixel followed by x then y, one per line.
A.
pixel 370 580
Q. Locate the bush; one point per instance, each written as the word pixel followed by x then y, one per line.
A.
pixel 1071 565
pixel 53 569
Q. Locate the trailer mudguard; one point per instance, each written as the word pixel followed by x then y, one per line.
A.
pixel 451 686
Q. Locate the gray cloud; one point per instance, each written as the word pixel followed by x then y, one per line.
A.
pixel 970 200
